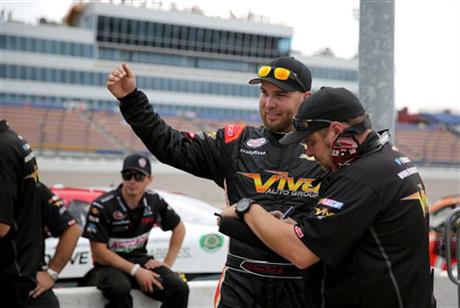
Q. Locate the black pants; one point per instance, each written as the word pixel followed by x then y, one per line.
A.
pixel 46 300
pixel 245 290
pixel 116 286
pixel 14 291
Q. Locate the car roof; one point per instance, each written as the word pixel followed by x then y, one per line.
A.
pixel 189 209
pixel 74 193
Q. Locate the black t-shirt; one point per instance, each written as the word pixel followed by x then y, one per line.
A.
pixel 55 216
pixel 20 249
pixel 370 227
pixel 125 230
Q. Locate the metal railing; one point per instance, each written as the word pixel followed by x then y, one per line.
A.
pixel 453 227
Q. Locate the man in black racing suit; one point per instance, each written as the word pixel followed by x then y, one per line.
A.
pixel 59 223
pixel 246 162
pixel 20 218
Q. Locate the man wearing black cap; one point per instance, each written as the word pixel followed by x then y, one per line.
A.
pixel 248 162
pixel 370 225
pixel 118 227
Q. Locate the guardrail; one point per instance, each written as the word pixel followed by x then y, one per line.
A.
pixel 453 227
pixel 201 296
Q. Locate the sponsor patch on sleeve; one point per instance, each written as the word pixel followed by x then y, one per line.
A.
pixel 212 135
pixel 233 132
pixel 331 203
pixel 407 172
pixel 190 135
pixel 91 228
pixel 402 160
pixel 298 231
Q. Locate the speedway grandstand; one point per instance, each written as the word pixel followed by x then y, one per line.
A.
pixel 194 68
pixel 428 139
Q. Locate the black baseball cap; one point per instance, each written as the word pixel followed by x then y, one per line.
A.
pixel 138 162
pixel 303 74
pixel 319 110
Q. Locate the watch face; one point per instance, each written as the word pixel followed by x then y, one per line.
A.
pixel 243 205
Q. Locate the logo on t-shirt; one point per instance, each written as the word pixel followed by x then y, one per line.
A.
pixel 118 215
pixel 128 244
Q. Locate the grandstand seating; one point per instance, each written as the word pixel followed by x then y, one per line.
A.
pixel 424 144
pixel 75 130
pixel 56 129
pixel 62 131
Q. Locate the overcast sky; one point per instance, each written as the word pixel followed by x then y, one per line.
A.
pixel 427 37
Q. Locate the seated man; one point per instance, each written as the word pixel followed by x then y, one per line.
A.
pixel 118 227
pixel 56 222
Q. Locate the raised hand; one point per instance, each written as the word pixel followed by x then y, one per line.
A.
pixel 121 81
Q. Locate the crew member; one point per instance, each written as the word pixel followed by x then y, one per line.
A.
pixel 370 225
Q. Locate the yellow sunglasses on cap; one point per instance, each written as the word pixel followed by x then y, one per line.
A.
pixel 280 73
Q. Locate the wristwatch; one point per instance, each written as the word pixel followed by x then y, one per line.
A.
pixel 52 273
pixel 243 206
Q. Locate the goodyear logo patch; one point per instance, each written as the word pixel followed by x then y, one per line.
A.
pixel 211 242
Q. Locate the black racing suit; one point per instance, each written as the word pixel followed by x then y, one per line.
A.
pixel 56 219
pixel 20 248
pixel 246 162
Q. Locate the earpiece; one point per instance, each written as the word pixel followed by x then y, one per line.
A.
pixel 345 148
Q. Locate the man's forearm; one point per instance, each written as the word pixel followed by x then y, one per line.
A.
pixel 175 243
pixel 64 250
pixel 279 236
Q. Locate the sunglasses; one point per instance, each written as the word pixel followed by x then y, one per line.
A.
pixel 127 176
pixel 303 124
pixel 280 73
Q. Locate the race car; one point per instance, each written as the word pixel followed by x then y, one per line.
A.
pixel 203 252
pixel 439 211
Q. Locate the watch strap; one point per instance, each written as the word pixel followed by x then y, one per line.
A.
pixel 52 273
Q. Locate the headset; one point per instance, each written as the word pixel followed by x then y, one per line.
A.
pixel 346 147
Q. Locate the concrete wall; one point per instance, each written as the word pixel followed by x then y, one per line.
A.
pixel 201 295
